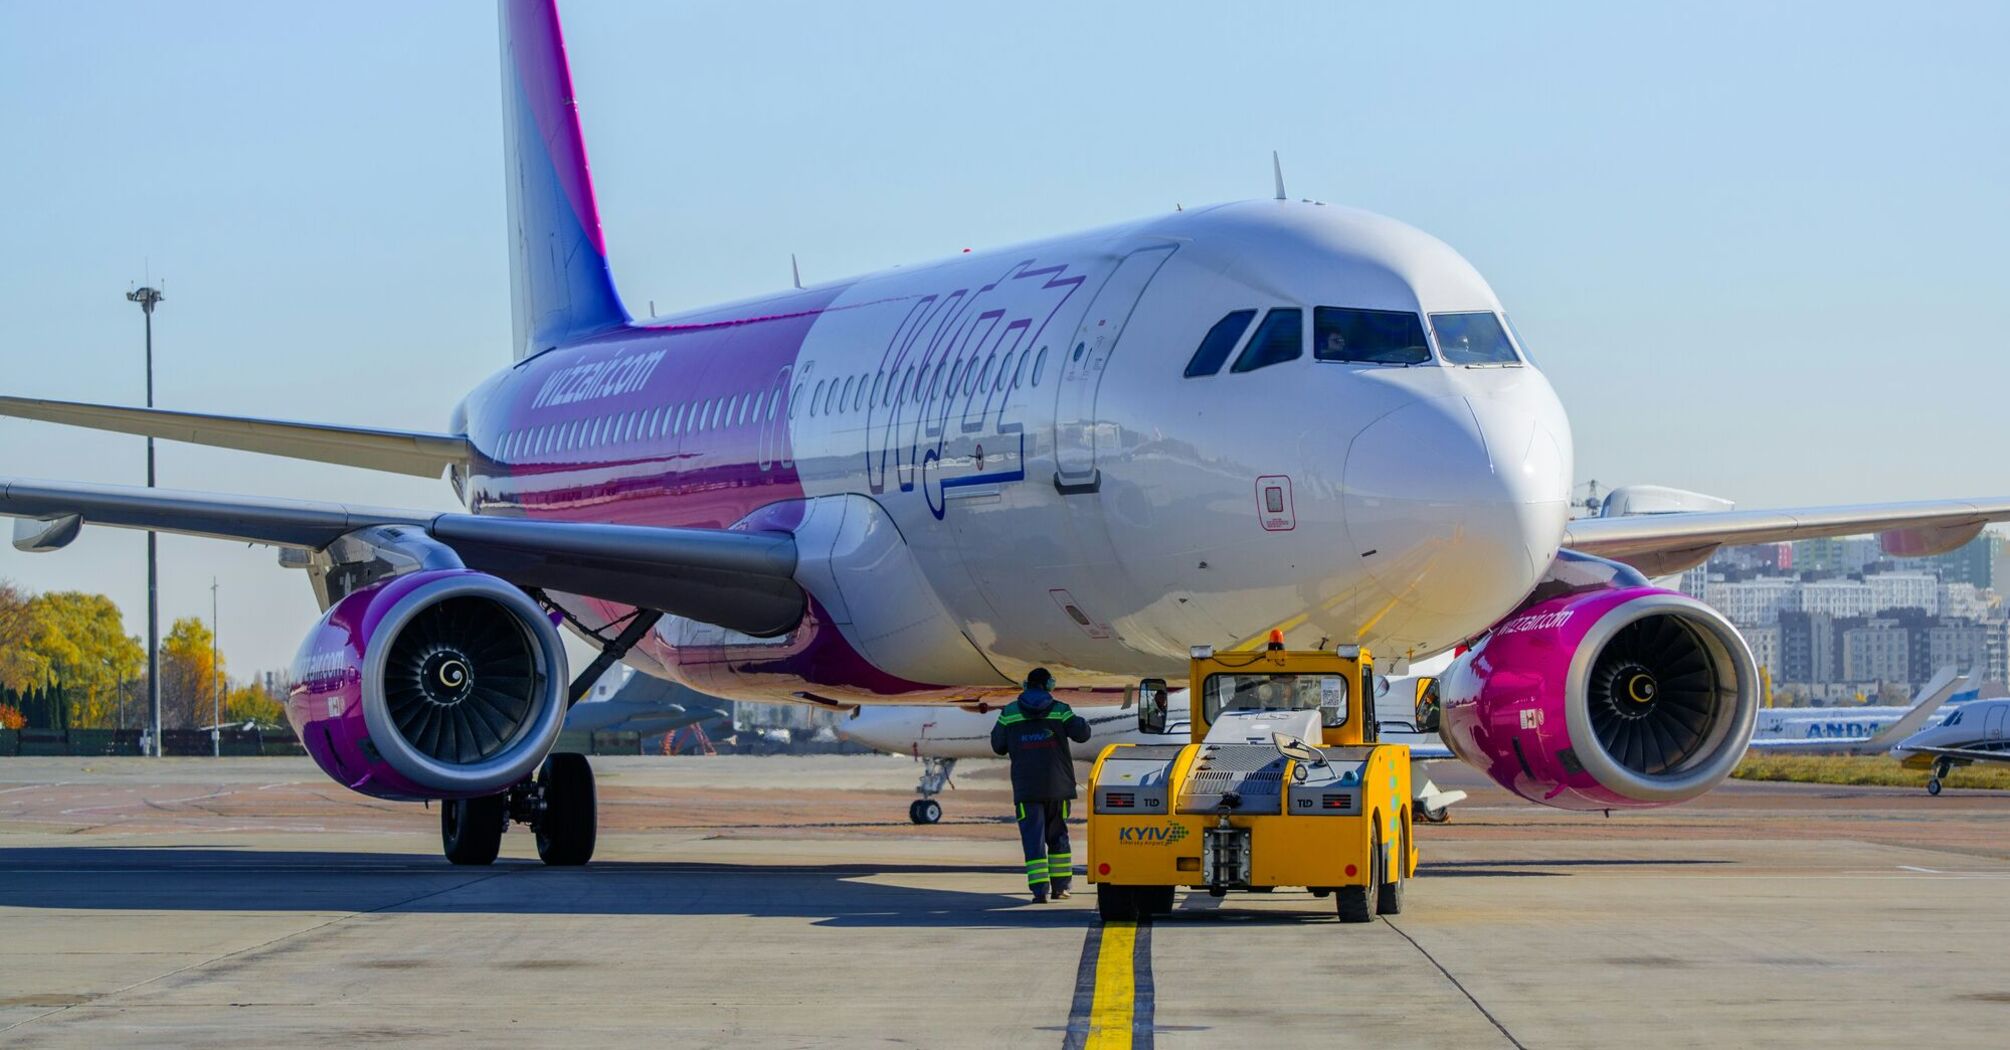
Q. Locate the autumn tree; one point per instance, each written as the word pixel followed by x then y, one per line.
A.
pixel 189 674
pixel 79 641
pixel 21 668
pixel 251 703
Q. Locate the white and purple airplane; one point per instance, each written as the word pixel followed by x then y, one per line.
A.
pixel 1086 453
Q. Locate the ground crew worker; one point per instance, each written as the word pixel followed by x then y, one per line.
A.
pixel 1034 731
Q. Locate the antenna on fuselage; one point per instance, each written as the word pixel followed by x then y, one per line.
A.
pixel 1277 170
pixel 795 272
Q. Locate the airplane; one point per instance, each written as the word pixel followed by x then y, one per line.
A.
pixel 1088 453
pixel 1975 732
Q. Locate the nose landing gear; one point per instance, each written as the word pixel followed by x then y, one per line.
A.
pixel 560 805
pixel 1941 767
pixel 935 773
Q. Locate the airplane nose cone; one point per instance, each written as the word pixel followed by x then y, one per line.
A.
pixel 1455 506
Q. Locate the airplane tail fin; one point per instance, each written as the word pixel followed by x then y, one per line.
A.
pixel 560 288
pixel 1934 693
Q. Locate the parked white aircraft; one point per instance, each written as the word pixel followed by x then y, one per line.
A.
pixel 939 737
pixel 1087 453
pixel 1973 732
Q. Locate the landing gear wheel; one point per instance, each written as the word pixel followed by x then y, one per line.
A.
pixel 1116 903
pixel 471 829
pixel 1390 900
pixel 569 827
pixel 1157 900
pixel 1357 903
pixel 1933 786
pixel 924 811
pixel 1436 816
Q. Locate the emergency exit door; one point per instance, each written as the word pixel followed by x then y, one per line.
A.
pixel 1076 430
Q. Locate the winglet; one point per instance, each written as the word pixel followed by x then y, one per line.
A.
pixel 1277 171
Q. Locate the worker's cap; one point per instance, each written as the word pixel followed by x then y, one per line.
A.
pixel 1041 678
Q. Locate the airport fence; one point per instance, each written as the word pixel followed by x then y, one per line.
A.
pixel 176 742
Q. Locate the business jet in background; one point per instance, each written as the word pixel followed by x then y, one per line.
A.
pixel 1086 453
pixel 1974 732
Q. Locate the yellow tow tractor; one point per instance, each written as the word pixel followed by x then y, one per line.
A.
pixel 1280 783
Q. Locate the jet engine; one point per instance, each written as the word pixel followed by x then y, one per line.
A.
pixel 444 683
pixel 1606 698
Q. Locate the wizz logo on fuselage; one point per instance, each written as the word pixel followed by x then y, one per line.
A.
pixel 946 415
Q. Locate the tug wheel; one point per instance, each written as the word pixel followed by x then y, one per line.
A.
pixel 1390 900
pixel 1357 903
pixel 1117 903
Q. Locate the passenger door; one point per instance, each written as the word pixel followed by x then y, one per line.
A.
pixel 1084 362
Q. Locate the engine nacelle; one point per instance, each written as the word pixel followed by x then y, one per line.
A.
pixel 1614 698
pixel 444 683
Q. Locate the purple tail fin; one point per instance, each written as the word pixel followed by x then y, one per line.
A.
pixel 560 289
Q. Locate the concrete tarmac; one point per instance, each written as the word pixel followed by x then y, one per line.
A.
pixel 787 902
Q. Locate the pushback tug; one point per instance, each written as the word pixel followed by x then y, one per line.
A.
pixel 1282 783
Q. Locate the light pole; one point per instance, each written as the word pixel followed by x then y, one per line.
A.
pixel 216 675
pixel 148 298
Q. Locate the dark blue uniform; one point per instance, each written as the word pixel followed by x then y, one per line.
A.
pixel 1034 731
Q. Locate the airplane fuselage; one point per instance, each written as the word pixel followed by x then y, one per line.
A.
pixel 998 461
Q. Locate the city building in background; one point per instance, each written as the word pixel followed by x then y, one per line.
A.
pixel 1836 621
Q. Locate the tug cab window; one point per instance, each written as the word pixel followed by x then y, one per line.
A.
pixel 1326 693
pixel 1376 337
pixel 1220 340
pixel 1472 339
pixel 1281 338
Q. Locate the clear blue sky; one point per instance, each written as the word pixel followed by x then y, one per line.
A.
pixel 1759 248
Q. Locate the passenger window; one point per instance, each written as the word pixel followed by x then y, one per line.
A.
pixel 1215 346
pixel 858 397
pixel 1039 366
pixel 1281 338
pixel 845 397
pixel 1376 337
pixel 1472 339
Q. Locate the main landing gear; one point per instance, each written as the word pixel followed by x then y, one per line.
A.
pixel 935 774
pixel 559 805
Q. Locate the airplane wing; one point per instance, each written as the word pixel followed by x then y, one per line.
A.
pixel 1662 544
pixel 744 581
pixel 396 451
pixel 1931 695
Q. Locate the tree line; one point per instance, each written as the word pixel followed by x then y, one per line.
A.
pixel 66 662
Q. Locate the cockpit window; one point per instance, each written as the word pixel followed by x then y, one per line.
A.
pixel 1219 341
pixel 1472 339
pixel 1281 338
pixel 1377 337
pixel 1952 720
